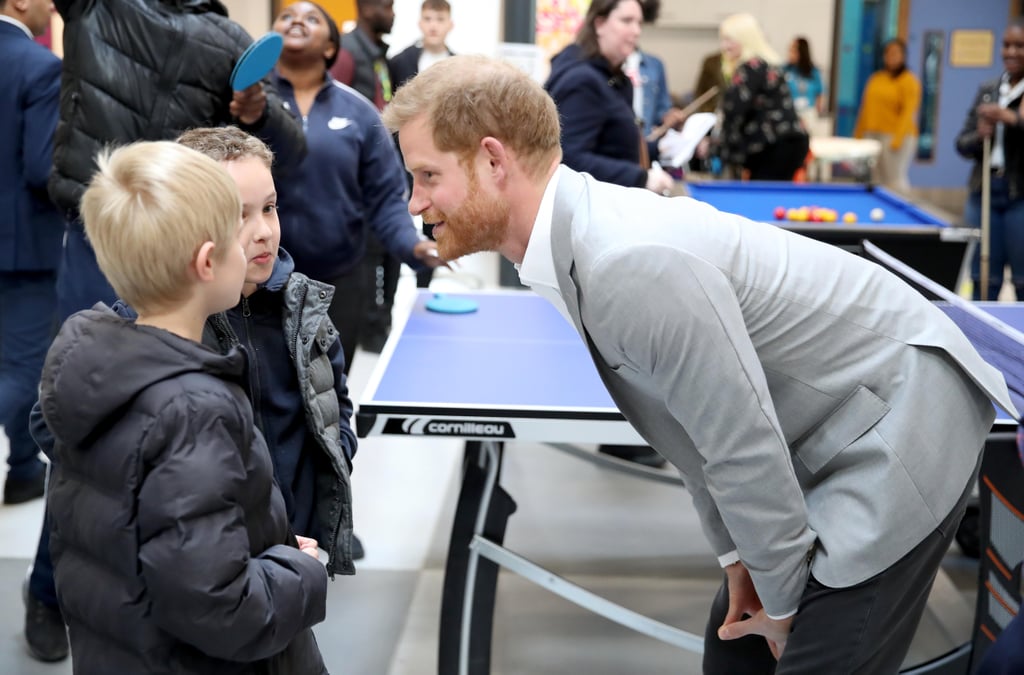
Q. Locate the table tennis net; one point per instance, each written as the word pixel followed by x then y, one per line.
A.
pixel 999 344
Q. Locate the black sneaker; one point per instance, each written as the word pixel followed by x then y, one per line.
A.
pixel 45 633
pixel 638 454
pixel 21 491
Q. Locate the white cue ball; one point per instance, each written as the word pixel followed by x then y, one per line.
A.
pixel 877 214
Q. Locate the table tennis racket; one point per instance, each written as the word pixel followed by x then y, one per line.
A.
pixel 256 61
pixel 446 304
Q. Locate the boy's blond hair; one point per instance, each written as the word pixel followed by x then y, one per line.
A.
pixel 226 144
pixel 149 208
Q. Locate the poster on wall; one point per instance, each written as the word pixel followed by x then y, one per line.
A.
pixel 931 72
pixel 971 48
pixel 557 23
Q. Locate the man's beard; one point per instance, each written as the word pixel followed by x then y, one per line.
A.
pixel 480 224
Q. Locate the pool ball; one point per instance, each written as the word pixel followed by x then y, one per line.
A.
pixel 849 217
pixel 877 214
pixel 780 212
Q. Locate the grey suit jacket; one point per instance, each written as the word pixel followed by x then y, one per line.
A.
pixel 824 416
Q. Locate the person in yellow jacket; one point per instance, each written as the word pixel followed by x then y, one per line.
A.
pixel 888 113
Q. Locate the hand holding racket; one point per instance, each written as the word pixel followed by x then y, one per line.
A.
pixel 256 61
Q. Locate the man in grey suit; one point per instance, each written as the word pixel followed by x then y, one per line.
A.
pixel 826 419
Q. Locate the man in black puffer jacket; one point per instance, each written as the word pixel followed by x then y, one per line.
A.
pixel 145 70
pixel 136 70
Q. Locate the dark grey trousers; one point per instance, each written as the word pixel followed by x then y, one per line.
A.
pixel 864 629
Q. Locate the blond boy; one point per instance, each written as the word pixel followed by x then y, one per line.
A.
pixel 171 543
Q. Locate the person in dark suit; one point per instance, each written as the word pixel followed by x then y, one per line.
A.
pixel 31 230
pixel 435 25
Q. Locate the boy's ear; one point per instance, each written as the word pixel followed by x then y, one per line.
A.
pixel 203 263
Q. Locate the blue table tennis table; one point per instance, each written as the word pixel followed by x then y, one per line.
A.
pixel 515 370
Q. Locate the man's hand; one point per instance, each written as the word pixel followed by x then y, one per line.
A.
pixel 994 113
pixel 743 601
pixel 426 251
pixel 659 181
pixel 248 105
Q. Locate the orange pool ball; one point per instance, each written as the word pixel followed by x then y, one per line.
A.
pixel 849 217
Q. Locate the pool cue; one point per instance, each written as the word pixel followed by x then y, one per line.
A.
pixel 700 100
pixel 986 205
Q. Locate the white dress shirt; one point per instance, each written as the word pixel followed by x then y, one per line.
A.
pixel 538 267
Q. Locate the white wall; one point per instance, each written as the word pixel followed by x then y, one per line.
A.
pixel 254 15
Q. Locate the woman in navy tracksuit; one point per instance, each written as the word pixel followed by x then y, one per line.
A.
pixel 350 180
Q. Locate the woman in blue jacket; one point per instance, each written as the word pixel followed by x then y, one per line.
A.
pixel 350 181
pixel 600 134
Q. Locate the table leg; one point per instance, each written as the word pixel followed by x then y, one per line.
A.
pixel 470 582
pixel 1001 538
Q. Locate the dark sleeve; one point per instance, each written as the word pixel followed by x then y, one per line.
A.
pixel 277 127
pixel 41 112
pixel 382 181
pixel 968 142
pixel 348 438
pixel 583 111
pixel 737 107
pixel 204 587
pixel 279 130
pixel 69 9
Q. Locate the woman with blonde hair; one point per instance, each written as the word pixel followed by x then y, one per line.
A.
pixel 760 133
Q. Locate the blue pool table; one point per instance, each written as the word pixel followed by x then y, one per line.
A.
pixel 926 242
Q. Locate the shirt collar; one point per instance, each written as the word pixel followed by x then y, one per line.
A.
pixel 538 266
pixel 11 20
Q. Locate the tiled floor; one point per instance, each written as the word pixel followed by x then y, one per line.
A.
pixel 634 541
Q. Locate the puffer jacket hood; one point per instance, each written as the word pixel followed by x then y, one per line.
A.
pixel 90 350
